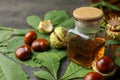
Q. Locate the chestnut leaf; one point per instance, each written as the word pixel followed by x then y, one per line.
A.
pixel 33 21
pixel 117 58
pixel 104 4
pixel 20 32
pixel 4 49
pixel 42 74
pixel 14 43
pixel 117 61
pixel 109 42
pixel 3 46
pixel 75 71
pixel 56 16
pixel 9 70
pixel 51 60
pixel 31 62
pixel 117 50
pixel 68 23
pixel 42 35
pixel 5 34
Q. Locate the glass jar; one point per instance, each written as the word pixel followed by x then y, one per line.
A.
pixel 86 40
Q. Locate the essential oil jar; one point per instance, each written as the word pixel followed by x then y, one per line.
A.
pixel 86 40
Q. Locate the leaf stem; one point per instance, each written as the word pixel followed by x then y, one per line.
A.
pixel 7 28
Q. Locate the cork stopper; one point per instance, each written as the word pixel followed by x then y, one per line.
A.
pixel 87 13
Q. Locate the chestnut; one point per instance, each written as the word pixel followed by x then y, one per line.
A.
pixel 105 66
pixel 94 76
pixel 40 45
pixel 23 52
pixel 30 37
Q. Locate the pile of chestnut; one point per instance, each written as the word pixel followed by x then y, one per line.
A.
pixel 31 42
pixel 102 67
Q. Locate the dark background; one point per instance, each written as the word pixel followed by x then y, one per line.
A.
pixel 13 13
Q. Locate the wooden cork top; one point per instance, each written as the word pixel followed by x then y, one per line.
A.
pixel 87 13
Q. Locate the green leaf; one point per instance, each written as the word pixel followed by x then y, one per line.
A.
pixel 4 50
pixel 56 16
pixel 50 61
pixel 33 21
pixel 109 6
pixel 109 42
pixel 105 4
pixel 3 44
pixel 96 4
pixel 60 53
pixel 68 23
pixel 14 43
pixel 113 7
pixel 5 34
pixel 20 31
pixel 75 71
pixel 31 62
pixel 42 35
pixel 44 75
pixel 118 50
pixel 10 70
pixel 117 61
pixel 7 28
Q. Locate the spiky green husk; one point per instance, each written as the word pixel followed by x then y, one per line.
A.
pixel 58 38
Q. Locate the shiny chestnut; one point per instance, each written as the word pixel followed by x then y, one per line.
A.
pixel 40 45
pixel 23 52
pixel 105 65
pixel 30 37
pixel 94 76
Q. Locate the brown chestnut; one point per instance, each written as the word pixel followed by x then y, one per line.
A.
pixel 105 64
pixel 94 76
pixel 40 45
pixel 23 52
pixel 30 37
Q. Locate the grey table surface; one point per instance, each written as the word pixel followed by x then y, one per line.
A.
pixel 13 13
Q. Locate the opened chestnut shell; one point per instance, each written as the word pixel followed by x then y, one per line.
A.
pixel 40 45
pixel 59 37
